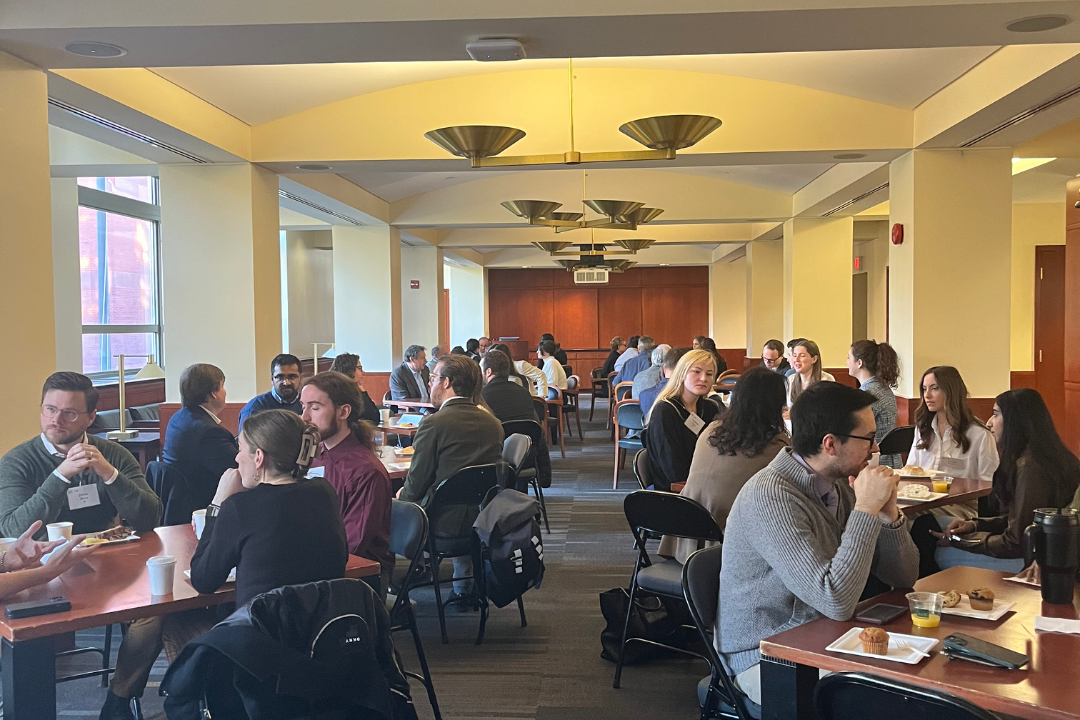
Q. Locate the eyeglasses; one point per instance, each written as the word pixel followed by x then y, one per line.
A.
pixel 868 438
pixel 286 378
pixel 436 376
pixel 67 415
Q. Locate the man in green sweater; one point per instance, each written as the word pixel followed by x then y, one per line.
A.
pixel 65 474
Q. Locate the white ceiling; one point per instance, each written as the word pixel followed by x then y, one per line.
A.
pixel 258 94
pixel 779 178
pixel 394 186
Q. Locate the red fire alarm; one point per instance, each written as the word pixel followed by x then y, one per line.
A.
pixel 858 263
pixel 897 234
pixel 414 284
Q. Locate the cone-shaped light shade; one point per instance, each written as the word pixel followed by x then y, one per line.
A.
pixel 613 208
pixel 551 247
pixel 475 141
pixel 634 245
pixel 150 371
pixel 531 209
pixel 670 132
pixel 643 215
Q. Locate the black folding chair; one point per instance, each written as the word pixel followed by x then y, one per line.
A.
pixel 540 406
pixel 528 472
pixel 642 470
pixel 898 440
pixel 408 538
pixel 853 696
pixel 452 512
pixel 717 693
pixel 663 513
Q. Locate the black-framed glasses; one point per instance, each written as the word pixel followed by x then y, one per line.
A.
pixel 869 438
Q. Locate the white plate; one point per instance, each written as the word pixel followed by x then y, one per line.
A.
pixel 1023 581
pixel 231 578
pixel 928 474
pixel 964 610
pixel 928 498
pixel 850 644
pixel 129 538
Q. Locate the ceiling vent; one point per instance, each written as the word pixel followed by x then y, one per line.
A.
pixel 315 206
pixel 856 199
pixel 1031 112
pixel 591 276
pixel 128 132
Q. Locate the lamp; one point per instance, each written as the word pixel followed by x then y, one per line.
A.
pixel 150 371
pixel 330 352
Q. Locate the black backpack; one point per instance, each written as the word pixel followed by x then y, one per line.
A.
pixel 512 551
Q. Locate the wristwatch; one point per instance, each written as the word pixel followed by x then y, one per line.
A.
pixel 212 510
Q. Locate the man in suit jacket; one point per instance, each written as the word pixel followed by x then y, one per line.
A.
pixel 639 362
pixel 195 442
pixel 410 379
pixel 510 401
pixel 460 434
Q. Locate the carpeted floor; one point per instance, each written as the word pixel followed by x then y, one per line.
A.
pixel 549 670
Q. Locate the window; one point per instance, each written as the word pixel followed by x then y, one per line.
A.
pixel 119 271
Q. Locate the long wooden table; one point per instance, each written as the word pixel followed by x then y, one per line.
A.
pixel 961 490
pixel 1048 688
pixel 111 586
pixel 410 403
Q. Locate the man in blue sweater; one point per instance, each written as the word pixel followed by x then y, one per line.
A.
pixel 284 395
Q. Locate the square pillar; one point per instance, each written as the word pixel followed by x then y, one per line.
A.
pixel 949 302
pixel 221 274
pixel 468 304
pixel 727 302
pixel 309 273
pixel 26 274
pixel 67 283
pixel 367 294
pixel 764 295
pixel 817 284
pixel 423 308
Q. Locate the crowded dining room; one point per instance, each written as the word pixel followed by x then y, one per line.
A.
pixel 577 361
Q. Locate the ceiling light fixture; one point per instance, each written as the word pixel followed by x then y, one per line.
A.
pixel 1038 23
pixel 95 49
pixel 663 134
pixel 617 214
pixel 496 50
pixel 314 168
pixel 849 156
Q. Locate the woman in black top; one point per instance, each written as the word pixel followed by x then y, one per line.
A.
pixel 678 416
pixel 617 345
pixel 349 365
pixel 267 520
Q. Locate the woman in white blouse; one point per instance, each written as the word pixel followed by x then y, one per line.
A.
pixel 528 375
pixel 949 438
pixel 806 361
pixel 556 376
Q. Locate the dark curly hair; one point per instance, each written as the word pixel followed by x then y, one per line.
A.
pixel 756 415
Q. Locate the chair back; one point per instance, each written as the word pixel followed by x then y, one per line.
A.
pixel 541 408
pixel 408 530
pixel 386 397
pixel 597 373
pixel 568 369
pixel 515 452
pixel 728 373
pixel 529 428
pixel 456 502
pixel 572 382
pixel 846 696
pixel 669 514
pixel 622 390
pixel 169 484
pixel 727 384
pixel 898 440
pixel 642 470
pixel 628 415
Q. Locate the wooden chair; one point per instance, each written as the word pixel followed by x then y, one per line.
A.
pixel 572 405
pixel 628 416
pixel 727 381
pixel 541 407
pixel 611 395
pixel 557 403
pixel 619 393
pixel 598 381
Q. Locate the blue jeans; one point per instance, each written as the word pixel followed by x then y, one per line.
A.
pixel 947 557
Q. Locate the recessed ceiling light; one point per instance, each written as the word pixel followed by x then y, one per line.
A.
pixel 849 156
pixel 663 264
pixel 524 266
pixel 1039 23
pixel 95 49
pixel 314 168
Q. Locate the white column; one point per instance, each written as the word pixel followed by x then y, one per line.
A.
pixel 764 295
pixel 367 294
pixel 467 304
pixel 423 310
pixel 309 261
pixel 727 302
pixel 67 283
pixel 26 279
pixel 817 284
pixel 221 274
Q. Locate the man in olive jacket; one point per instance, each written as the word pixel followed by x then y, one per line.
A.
pixel 462 433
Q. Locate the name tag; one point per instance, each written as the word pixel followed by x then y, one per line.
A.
pixel 83 496
pixel 317 472
pixel 951 465
pixel 694 423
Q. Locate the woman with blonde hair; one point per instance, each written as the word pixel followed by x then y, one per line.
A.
pixel 681 411
pixel 806 361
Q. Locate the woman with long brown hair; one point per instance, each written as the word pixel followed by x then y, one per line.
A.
pixel 806 361
pixel 877 368
pixel 349 365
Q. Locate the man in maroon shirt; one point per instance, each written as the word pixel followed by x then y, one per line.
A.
pixel 347 459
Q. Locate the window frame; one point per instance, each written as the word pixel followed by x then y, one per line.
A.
pixel 102 201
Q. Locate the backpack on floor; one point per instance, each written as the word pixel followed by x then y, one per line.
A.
pixel 511 548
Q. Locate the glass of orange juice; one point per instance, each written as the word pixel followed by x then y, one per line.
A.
pixel 925 608
pixel 940 486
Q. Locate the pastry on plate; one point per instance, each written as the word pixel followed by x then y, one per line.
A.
pixel 874 641
pixel 911 470
pixel 950 599
pixel 913 491
pixel 981 599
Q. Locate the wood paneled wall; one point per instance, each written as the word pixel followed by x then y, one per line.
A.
pixel 136 393
pixel 1071 430
pixel 669 303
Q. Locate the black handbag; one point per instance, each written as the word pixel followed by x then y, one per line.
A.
pixel 649 620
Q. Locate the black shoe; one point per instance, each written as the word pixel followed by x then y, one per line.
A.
pixel 116 708
pixel 469 602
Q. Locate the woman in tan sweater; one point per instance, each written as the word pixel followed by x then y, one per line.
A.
pixel 734 449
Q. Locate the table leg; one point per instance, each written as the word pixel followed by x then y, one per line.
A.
pixel 29 679
pixel 787 690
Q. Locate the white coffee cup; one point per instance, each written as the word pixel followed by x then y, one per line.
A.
pixel 161 569
pixel 6 543
pixel 875 459
pixel 59 530
pixel 384 416
pixel 199 518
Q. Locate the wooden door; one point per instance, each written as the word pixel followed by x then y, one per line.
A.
pixel 1050 328
pixel 859 306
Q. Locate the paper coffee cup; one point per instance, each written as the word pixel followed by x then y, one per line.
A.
pixel 199 518
pixel 59 531
pixel 161 569
pixel 875 459
pixel 6 543
pixel 384 416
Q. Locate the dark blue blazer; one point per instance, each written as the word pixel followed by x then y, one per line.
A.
pixel 200 449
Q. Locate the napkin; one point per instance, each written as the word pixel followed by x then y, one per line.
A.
pixel 1061 625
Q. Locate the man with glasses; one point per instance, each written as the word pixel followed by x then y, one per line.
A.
pixel 772 358
pixel 284 395
pixel 410 379
pixel 67 475
pixel 805 534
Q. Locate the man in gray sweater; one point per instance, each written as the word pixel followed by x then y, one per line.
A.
pixel 806 532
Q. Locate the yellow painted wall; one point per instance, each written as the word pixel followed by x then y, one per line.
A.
pixel 1033 224
pixel 67 283
pixel 367 294
pixel 727 302
pixel 764 295
pixel 26 273
pixel 817 284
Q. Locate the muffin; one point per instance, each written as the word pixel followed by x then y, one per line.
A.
pixel 874 641
pixel 981 599
pixel 951 598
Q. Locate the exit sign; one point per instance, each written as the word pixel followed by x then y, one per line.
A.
pixel 414 284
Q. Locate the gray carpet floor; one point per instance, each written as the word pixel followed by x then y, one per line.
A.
pixel 550 669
